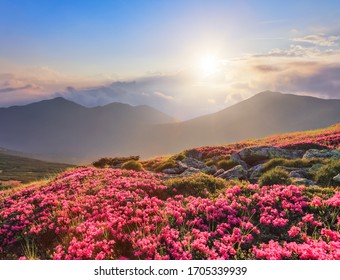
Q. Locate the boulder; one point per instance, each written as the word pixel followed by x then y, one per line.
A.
pixel 337 178
pixel 218 172
pixel 172 171
pixel 236 158
pixel 209 169
pixel 314 153
pixel 190 171
pixel 194 154
pixel 301 173
pixel 315 168
pixel 195 163
pixel 258 154
pixel 237 172
pixel 303 181
pixel 181 166
pixel 254 173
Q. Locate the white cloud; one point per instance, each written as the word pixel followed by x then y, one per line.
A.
pixel 319 40
pixel 162 95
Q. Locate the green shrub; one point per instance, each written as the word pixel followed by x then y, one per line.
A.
pixel 210 162
pixel 324 176
pixel 275 176
pixel 299 163
pixel 304 146
pixel 107 161
pixel 101 163
pixel 180 156
pixel 195 185
pixel 132 165
pixel 226 164
pixel 167 163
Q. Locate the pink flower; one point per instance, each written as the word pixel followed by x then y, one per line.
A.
pixel 294 231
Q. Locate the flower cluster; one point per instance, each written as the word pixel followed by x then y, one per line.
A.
pixel 90 213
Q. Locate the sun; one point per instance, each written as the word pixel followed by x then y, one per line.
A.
pixel 208 65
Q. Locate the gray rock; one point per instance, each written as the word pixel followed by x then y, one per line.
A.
pixel 195 163
pixel 210 169
pixel 255 172
pixel 218 172
pixel 315 168
pixel 256 154
pixel 314 153
pixel 194 154
pixel 172 171
pixel 301 173
pixel 237 172
pixel 190 171
pixel 236 158
pixel 303 181
pixel 337 178
pixel 181 166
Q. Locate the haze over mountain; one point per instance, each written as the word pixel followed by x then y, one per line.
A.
pixel 69 132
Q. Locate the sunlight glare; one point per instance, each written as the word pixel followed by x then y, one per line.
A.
pixel 209 65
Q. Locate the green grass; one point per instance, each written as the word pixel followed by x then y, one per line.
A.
pixel 275 176
pixel 324 176
pixel 132 165
pixel 298 163
pixel 198 184
pixel 28 170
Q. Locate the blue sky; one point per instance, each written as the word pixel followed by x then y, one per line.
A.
pixel 80 43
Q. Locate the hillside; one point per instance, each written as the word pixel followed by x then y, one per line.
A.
pixel 264 114
pixel 63 131
pixel 112 213
pixel 18 168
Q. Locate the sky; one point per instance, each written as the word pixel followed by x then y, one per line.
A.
pixel 185 58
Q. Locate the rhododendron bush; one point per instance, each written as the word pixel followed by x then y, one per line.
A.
pixel 90 213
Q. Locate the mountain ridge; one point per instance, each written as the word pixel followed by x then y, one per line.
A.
pixel 116 129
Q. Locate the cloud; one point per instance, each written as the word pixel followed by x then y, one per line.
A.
pixel 266 68
pixel 319 40
pixel 9 89
pixel 292 51
pixel 162 95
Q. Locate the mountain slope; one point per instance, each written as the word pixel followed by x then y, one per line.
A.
pixel 25 169
pixel 61 128
pixel 69 132
pixel 261 115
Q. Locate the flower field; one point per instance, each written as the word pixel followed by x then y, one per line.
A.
pixel 90 213
pixel 328 137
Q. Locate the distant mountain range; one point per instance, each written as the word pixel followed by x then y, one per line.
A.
pixel 62 130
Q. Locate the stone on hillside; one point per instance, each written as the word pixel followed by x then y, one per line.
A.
pixel 255 172
pixel 315 168
pixel 261 153
pixel 337 178
pixel 301 173
pixel 303 181
pixel 181 166
pixel 192 162
pixel 236 158
pixel 172 171
pixel 218 172
pixel 209 170
pixel 194 154
pixel 314 153
pixel 190 171
pixel 237 172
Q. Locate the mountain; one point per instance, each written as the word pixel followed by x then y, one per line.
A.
pixel 65 131
pixel 261 115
